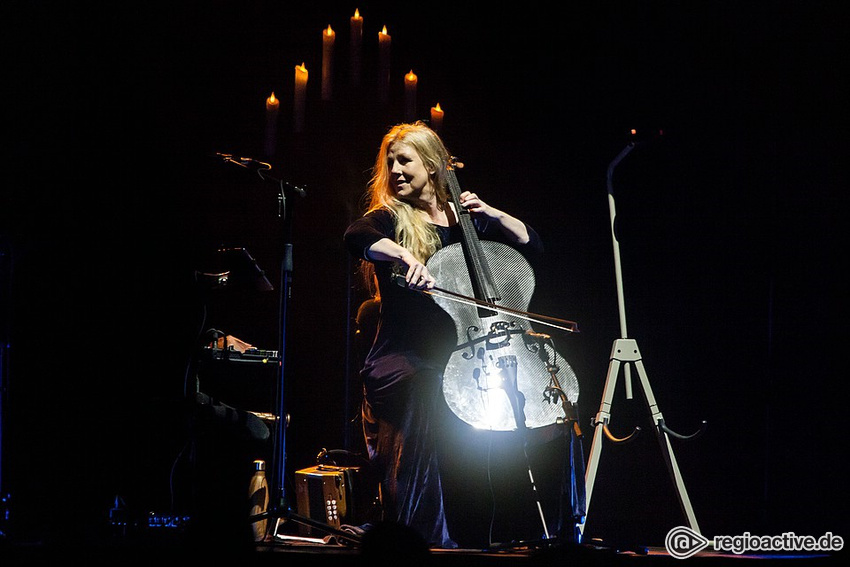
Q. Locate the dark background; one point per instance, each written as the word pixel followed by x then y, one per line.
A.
pixel 731 229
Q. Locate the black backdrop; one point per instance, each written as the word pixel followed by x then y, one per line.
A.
pixel 731 230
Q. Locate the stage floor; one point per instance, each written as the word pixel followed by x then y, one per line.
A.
pixel 171 551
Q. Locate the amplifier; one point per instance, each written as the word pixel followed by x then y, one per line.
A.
pixel 332 495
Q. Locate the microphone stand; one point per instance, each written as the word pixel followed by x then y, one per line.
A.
pixel 279 504
pixel 284 296
pixel 278 498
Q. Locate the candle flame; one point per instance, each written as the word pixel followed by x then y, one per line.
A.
pixel 301 67
pixel 437 108
pixel 329 31
pixel 384 31
pixel 272 99
pixel 410 77
pixel 356 13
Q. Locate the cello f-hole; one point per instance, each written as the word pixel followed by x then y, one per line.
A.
pixel 470 339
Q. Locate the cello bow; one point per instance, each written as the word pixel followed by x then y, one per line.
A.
pixel 562 324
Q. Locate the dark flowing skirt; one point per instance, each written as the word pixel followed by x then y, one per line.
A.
pixel 400 433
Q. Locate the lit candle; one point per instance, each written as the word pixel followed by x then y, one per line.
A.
pixel 410 81
pixel 436 118
pixel 384 41
pixel 356 41
pixel 328 37
pixel 300 95
pixel 272 107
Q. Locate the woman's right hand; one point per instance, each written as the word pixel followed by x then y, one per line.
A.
pixel 418 276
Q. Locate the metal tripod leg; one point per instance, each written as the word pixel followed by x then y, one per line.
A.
pixel 625 351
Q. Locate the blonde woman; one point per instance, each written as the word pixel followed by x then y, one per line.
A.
pixel 410 215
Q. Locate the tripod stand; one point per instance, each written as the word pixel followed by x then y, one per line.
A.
pixel 625 352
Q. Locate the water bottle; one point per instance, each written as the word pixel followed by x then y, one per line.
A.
pixel 258 493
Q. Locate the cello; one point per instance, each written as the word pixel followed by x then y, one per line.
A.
pixel 501 376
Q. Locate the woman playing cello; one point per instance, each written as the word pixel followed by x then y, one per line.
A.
pixel 410 216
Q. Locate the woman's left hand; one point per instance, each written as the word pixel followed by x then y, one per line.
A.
pixel 473 203
pixel 513 228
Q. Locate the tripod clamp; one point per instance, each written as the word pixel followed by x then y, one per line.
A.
pixel 663 427
pixel 619 440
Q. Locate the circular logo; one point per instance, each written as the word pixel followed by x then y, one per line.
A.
pixel 683 542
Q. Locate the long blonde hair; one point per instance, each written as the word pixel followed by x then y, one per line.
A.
pixel 413 231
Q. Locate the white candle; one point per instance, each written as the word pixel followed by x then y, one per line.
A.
pixel 384 41
pixel 300 96
pixel 328 37
pixel 410 81
pixel 436 118
pixel 356 40
pixel 272 108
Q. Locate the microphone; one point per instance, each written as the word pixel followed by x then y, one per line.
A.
pixel 262 168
